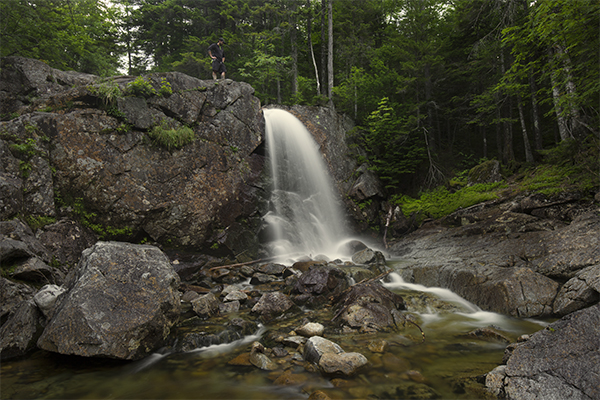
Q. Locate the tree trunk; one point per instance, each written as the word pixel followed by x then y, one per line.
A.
pixel 323 44
pixel 538 144
pixel 330 52
pixel 572 109
pixel 484 136
pixel 312 52
pixel 528 153
pixel 430 110
pixel 563 125
pixel 294 44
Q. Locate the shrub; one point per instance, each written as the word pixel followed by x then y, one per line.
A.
pixel 141 87
pixel 165 88
pixel 172 138
pixel 108 92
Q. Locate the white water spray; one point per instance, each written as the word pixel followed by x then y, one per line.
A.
pixel 305 218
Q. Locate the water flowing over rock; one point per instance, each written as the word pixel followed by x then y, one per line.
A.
pixel 121 303
pixel 506 261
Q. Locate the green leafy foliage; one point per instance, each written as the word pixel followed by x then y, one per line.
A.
pixel 68 35
pixel 165 88
pixel 394 151
pixel 87 219
pixel 27 148
pixel 37 222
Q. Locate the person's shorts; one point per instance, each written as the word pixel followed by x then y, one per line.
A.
pixel 218 66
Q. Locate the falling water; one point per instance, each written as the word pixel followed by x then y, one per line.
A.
pixel 304 217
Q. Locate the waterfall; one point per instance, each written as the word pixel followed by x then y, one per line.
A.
pixel 305 218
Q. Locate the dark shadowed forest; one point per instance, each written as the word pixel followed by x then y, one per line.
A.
pixel 434 86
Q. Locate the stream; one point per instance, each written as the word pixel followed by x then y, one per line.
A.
pixel 447 364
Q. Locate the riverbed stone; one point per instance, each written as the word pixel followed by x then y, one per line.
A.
pixel 346 364
pixel 369 307
pixel 271 305
pixel 579 292
pixel 46 299
pixel 121 302
pixel 320 283
pixel 236 295
pixel 316 346
pixel 310 329
pixel 558 362
pixel 19 334
pixel 205 306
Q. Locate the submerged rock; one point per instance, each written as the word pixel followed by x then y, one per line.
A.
pixel 122 301
pixel 331 358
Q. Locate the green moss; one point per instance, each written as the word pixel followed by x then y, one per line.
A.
pixel 440 201
pixel 555 179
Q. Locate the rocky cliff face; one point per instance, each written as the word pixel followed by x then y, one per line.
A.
pixel 73 148
pixel 78 147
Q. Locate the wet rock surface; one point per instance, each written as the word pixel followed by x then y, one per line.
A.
pixel 509 256
pixel 559 362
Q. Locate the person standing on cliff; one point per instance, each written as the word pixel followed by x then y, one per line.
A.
pixel 215 51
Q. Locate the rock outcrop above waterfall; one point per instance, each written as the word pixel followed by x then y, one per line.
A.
pixel 79 144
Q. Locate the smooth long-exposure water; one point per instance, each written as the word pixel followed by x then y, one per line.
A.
pixel 305 217
pixel 446 364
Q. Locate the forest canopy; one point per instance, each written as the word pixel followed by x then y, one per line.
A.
pixel 434 86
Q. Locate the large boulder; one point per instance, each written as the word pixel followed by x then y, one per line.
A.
pixel 559 362
pixel 122 301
